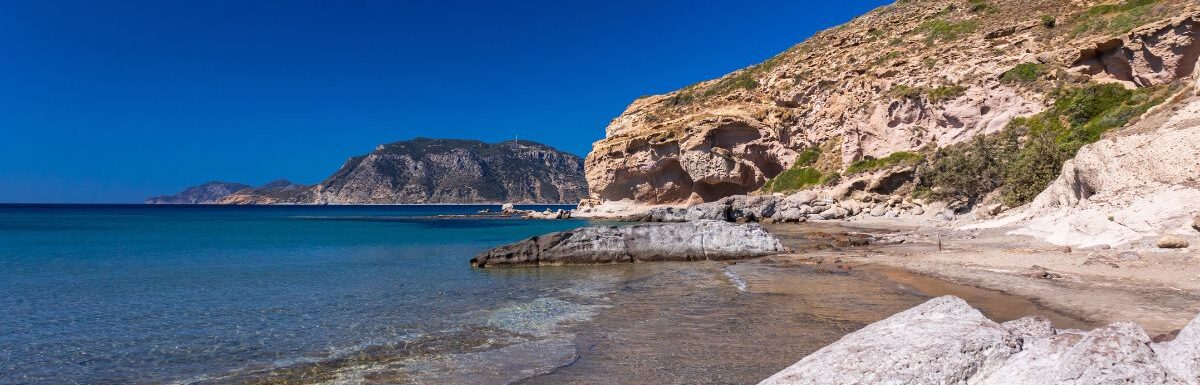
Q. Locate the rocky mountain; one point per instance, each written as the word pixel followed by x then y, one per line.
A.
pixel 426 170
pixel 278 191
pixel 210 192
pixel 898 85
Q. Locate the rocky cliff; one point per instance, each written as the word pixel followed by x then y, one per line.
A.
pixel 912 76
pixel 210 192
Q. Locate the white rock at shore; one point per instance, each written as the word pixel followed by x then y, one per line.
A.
pixel 697 240
pixel 946 341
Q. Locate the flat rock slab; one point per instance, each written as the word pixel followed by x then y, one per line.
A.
pixel 688 241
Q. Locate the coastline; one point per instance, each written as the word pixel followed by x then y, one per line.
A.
pixel 1157 289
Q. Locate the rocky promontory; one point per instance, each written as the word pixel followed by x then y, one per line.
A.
pixel 946 341
pixel 207 193
pixel 697 240
pixel 425 170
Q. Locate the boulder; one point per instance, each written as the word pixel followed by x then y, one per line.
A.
pixel 1181 356
pixel 943 341
pixel 752 207
pixel 1196 222
pixel 718 210
pixel 802 198
pixel 1115 354
pixel 917 210
pixel 667 214
pixel 687 241
pixel 834 212
pixel 790 215
pixel 879 210
pixel 1172 242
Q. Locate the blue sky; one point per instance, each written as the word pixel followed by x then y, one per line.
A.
pixel 114 101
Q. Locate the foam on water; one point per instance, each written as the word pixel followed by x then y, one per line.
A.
pixel 735 279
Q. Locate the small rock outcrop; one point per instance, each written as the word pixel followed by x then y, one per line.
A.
pixel 946 341
pixel 699 240
pixel 207 193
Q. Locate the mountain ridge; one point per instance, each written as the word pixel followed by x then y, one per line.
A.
pixel 429 170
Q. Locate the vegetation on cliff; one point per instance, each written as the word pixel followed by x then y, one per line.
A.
pixel 1028 154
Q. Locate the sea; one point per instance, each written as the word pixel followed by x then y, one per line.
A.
pixel 179 294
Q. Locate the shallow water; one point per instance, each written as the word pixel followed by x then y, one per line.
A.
pixel 384 294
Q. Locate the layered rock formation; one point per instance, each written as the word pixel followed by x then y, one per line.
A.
pixel 698 240
pixel 902 77
pixel 207 193
pixel 946 341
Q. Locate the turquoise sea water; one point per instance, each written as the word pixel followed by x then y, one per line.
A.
pixel 116 294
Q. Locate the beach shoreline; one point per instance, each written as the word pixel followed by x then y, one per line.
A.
pixel 1158 289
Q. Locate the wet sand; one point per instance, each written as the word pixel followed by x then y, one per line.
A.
pixel 1159 289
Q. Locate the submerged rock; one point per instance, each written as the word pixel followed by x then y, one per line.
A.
pixel 688 241
pixel 945 341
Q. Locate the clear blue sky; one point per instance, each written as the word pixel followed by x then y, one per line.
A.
pixel 113 101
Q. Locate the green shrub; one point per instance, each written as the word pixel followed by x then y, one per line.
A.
pixel 1078 116
pixel 1026 156
pixel 743 80
pixel 978 6
pixel 808 156
pixel 1118 17
pixel 942 30
pixel 893 159
pixel 901 91
pixel 966 171
pixel 1023 73
pixel 795 178
pixel 831 179
pixel 1049 21
pixel 944 93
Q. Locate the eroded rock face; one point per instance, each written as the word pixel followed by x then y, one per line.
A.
pixel 945 341
pixel 699 240
pixel 1157 53
pixel 1108 195
pixel 874 86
